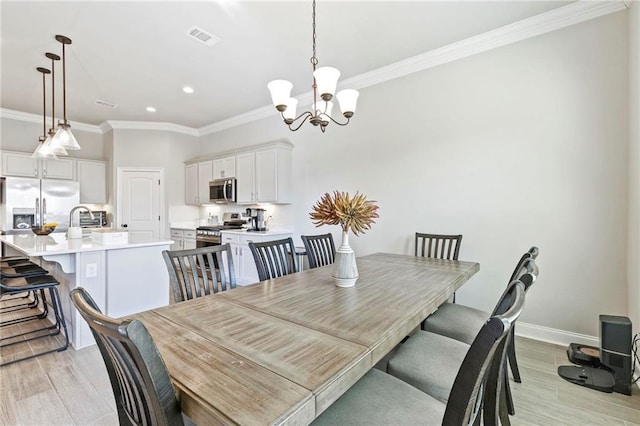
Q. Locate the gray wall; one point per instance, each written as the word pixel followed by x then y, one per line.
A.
pixel 526 144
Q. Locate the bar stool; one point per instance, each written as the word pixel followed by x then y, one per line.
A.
pixel 37 283
pixel 17 269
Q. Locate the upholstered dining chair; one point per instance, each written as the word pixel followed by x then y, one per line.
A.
pixel 320 249
pixel 461 322
pixel 199 272
pixel 274 258
pixel 143 391
pixel 380 398
pixel 444 356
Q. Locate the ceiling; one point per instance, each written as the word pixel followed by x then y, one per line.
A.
pixel 137 54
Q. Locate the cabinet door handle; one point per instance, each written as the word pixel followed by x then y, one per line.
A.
pixel 35 171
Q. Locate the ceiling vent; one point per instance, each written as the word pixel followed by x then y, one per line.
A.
pixel 106 104
pixel 202 36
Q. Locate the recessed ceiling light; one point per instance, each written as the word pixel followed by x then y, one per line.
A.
pixel 151 109
pixel 187 89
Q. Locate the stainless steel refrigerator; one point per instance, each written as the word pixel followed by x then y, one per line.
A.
pixel 29 201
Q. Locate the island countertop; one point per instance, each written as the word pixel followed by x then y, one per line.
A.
pixel 57 243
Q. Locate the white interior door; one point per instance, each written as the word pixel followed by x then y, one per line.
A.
pixel 140 202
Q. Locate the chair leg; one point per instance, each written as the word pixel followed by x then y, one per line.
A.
pixel 60 326
pixel 508 397
pixel 38 316
pixel 511 353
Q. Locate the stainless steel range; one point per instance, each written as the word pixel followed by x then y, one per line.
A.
pixel 209 235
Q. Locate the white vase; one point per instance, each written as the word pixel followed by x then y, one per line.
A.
pixel 345 270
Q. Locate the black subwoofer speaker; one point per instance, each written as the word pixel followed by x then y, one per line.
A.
pixel 615 350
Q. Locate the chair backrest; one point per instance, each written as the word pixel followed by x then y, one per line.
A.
pixel 532 253
pixel 438 246
pixel 320 249
pixel 274 258
pixel 191 273
pixel 141 385
pixel 469 388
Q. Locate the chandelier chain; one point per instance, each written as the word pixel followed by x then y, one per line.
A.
pixel 314 58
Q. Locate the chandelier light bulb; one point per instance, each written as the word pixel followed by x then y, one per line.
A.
pixel 326 80
pixel 348 98
pixel 289 114
pixel 280 93
pixel 54 146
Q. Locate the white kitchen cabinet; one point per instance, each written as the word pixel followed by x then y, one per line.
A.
pixel 183 239
pixel 264 176
pixel 205 175
pixel 245 177
pixel 197 178
pixel 21 164
pixel 224 167
pixel 92 176
pixel 191 184
pixel 244 265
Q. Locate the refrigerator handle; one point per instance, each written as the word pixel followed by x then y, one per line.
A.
pixel 37 215
pixel 44 210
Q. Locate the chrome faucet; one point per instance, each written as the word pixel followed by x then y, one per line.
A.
pixel 79 208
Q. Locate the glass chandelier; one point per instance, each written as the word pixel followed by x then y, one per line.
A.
pixel 325 80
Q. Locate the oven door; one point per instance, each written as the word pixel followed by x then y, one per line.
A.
pixel 207 241
pixel 222 191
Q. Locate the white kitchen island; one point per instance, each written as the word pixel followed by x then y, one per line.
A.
pixel 122 279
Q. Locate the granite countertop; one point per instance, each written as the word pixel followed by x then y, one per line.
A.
pixel 43 245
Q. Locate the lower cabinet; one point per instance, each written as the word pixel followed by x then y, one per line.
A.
pixel 243 263
pixel 184 239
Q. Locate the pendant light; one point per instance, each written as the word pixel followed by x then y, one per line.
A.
pixel 54 146
pixel 43 151
pixel 63 136
pixel 325 80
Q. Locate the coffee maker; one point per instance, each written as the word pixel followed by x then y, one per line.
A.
pixel 257 221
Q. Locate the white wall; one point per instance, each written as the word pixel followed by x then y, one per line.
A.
pixel 633 255
pixel 526 144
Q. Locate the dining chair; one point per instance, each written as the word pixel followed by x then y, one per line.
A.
pixel 380 398
pixel 200 272
pixel 462 322
pixel 143 391
pixel 444 356
pixel 320 249
pixel 274 258
pixel 438 246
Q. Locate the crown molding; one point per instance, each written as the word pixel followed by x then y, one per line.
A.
pixel 543 23
pixel 149 125
pixel 37 119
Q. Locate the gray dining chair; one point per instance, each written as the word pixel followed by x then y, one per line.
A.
pixel 444 357
pixel 462 322
pixel 438 246
pixel 380 398
pixel 143 391
pixel 200 272
pixel 275 258
pixel 320 249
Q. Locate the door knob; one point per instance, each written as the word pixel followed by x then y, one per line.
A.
pixel 124 225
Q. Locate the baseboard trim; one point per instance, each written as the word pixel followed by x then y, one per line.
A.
pixel 554 335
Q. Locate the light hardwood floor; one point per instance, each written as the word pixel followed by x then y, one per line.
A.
pixel 72 388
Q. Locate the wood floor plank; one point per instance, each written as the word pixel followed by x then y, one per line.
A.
pixel 44 408
pixel 83 402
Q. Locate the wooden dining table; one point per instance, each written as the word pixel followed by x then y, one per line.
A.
pixel 282 351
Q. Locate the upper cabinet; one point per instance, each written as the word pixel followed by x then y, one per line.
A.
pixel 197 178
pixel 92 176
pixel 224 167
pixel 21 164
pixel 263 174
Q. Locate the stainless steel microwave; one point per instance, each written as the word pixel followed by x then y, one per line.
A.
pixel 222 191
